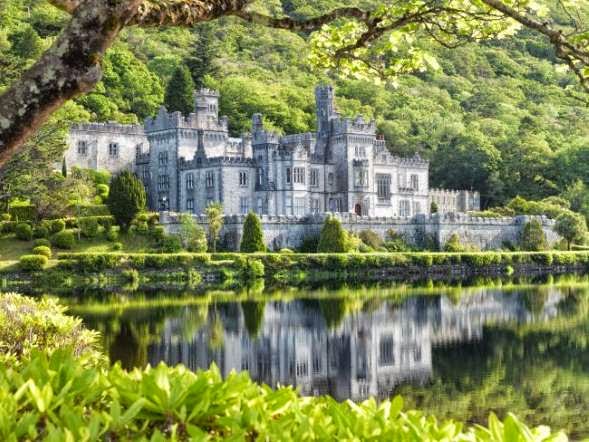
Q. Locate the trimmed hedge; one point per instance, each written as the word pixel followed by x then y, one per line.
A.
pixel 42 250
pixel 24 232
pixel 354 262
pixel 32 263
pixel 22 213
pixel 92 262
pixel 7 227
pixel 64 239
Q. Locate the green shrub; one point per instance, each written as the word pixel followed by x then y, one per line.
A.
pixel 33 263
pixel 532 237
pixel 253 269
pixel 126 198
pixel 171 244
pixel 63 240
pixel 309 244
pixel 252 239
pixel 24 232
pixel 41 242
pixel 158 233
pixel 453 244
pixel 333 238
pixel 95 209
pixel 40 231
pixel 543 258
pixel 4 217
pixel 88 227
pixel 371 239
pixel 42 250
pixel 112 235
pixel 117 246
pixel 7 227
pixel 57 225
pixel 286 251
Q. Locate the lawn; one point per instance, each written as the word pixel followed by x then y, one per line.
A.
pixel 11 249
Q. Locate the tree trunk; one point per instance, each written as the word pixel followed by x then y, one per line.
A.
pixel 70 67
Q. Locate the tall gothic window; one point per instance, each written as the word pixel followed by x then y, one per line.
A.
pixel 82 148
pixel 405 208
pixel 416 207
pixel 315 205
pixel 163 158
pixel 386 355
pixel 299 175
pixel 190 181
pixel 243 178
pixel 163 182
pixel 383 187
pixel 244 205
pixel 415 182
pixel 331 179
pixel 210 179
pixel 299 207
pixel 190 205
pixel 288 177
pixel 361 177
pixel 113 150
pixel 314 177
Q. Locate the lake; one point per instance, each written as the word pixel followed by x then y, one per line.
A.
pixel 455 352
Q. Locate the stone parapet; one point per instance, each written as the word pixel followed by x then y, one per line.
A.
pixel 109 127
pixel 290 231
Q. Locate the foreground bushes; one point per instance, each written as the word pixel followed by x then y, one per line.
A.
pixel 27 324
pixel 64 393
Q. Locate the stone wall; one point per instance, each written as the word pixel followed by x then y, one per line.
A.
pixel 289 232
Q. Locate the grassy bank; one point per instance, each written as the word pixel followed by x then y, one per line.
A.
pixel 106 269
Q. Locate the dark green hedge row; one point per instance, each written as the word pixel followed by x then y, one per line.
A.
pixel 22 213
pixel 335 261
pixel 273 262
pixel 95 262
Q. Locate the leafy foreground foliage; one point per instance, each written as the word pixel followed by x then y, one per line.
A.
pixel 54 394
pixel 59 397
pixel 27 324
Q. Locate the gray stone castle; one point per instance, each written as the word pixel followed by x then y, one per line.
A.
pixel 186 163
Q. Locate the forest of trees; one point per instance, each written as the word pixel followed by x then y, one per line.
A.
pixel 496 116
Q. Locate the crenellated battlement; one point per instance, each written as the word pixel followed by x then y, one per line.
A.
pixel 165 120
pixel 109 127
pixel 355 126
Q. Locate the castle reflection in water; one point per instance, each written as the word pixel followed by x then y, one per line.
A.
pixel 368 353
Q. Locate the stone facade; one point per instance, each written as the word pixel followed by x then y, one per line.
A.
pixel 189 162
pixel 290 231
pixel 105 146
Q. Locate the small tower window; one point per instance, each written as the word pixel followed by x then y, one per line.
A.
pixel 113 150
pixel 82 148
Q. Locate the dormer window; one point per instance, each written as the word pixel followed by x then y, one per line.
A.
pixel 113 150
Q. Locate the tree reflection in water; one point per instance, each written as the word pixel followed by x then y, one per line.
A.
pixel 524 350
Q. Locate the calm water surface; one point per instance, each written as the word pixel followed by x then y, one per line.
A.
pixel 459 353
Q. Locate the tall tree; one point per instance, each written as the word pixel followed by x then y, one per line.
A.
pixel 201 62
pixel 180 92
pixel 571 226
pixel 333 238
pixel 351 40
pixel 253 238
pixel 126 198
pixel 214 213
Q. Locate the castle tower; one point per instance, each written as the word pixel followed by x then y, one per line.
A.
pixel 325 102
pixel 206 104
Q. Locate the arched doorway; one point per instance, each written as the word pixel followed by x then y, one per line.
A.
pixel 358 209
